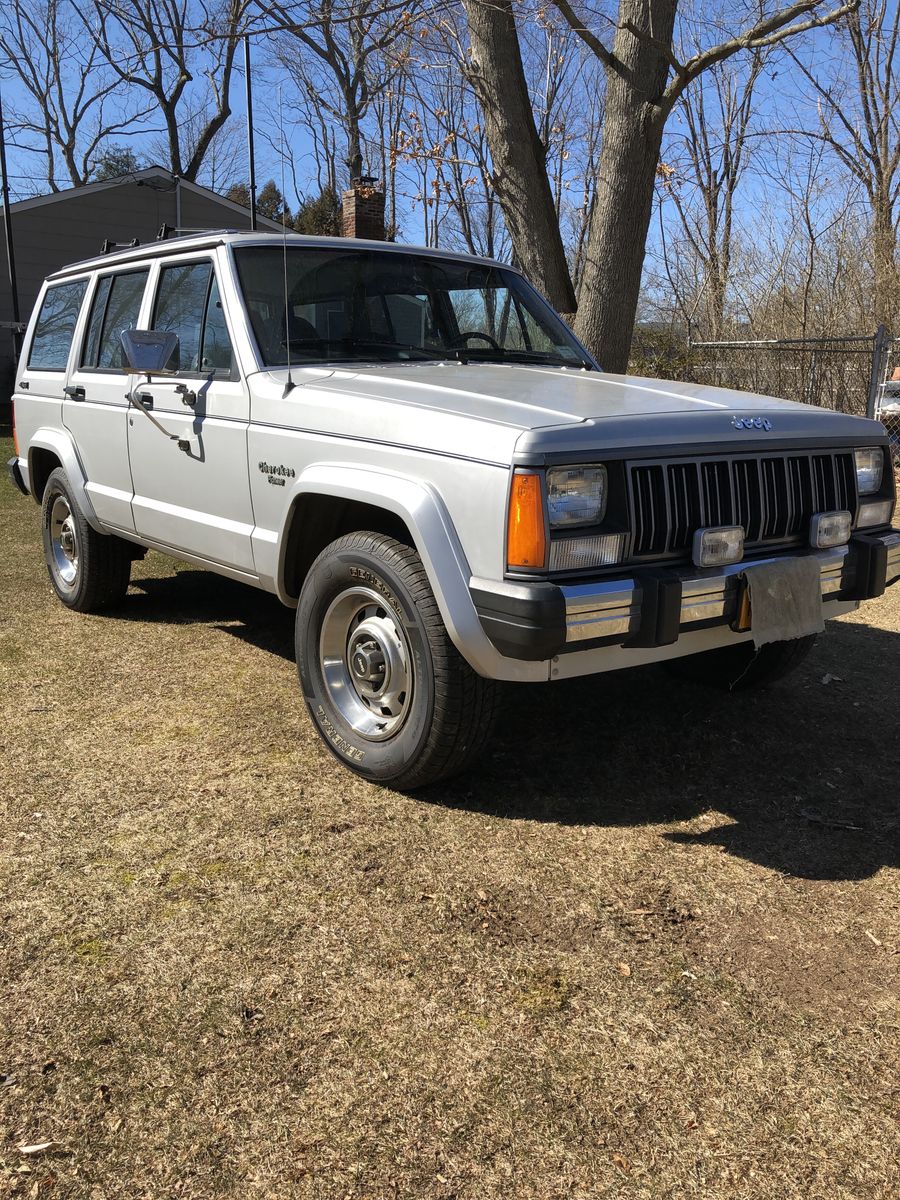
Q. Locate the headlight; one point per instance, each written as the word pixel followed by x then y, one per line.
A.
pixel 869 469
pixel 576 496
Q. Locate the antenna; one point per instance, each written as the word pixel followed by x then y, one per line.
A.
pixel 290 385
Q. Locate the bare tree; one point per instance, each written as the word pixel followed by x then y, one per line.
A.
pixel 518 155
pixel 352 58
pixel 156 46
pixel 76 101
pixel 859 120
pixel 703 168
pixel 644 80
pixel 441 137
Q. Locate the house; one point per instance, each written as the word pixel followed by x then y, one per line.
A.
pixel 67 226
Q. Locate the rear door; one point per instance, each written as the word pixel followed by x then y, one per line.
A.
pixel 95 409
pixel 196 499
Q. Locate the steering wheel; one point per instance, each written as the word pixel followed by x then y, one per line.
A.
pixel 474 333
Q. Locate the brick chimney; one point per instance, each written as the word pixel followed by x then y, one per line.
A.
pixel 362 210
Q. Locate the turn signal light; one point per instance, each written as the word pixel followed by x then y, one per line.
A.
pixel 526 537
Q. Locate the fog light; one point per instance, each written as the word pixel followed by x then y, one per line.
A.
pixel 829 529
pixel 877 512
pixel 582 553
pixel 718 547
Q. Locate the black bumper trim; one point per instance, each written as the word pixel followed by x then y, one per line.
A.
pixel 871 567
pixel 523 620
pixel 15 474
pixel 660 610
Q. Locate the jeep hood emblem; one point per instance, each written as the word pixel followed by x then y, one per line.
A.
pixel 752 423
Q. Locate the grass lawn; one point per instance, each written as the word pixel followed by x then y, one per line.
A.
pixel 651 948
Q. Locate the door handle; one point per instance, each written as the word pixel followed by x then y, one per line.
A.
pixel 145 399
pixel 74 391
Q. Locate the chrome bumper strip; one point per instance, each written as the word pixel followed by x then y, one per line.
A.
pixel 613 608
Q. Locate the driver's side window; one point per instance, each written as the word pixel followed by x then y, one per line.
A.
pixel 188 303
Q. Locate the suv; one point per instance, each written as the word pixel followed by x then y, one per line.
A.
pixel 411 448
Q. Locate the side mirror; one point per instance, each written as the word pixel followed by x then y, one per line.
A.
pixel 148 351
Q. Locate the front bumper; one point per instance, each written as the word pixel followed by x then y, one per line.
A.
pixel 15 473
pixel 537 621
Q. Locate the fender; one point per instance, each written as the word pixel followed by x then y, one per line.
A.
pixel 60 443
pixel 425 515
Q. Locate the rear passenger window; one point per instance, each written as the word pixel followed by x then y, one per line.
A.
pixel 116 305
pixel 56 326
pixel 188 303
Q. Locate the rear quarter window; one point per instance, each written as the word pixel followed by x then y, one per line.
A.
pixel 55 326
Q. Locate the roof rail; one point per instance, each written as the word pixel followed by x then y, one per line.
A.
pixel 167 231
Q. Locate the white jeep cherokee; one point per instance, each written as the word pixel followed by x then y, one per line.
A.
pixel 413 450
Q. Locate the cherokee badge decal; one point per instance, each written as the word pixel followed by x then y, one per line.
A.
pixel 276 474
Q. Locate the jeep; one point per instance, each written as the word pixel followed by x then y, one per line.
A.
pixel 413 450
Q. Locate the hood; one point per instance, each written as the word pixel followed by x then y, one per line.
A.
pixel 537 397
pixel 561 408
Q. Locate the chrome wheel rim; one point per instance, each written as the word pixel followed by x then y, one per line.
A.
pixel 366 663
pixel 64 541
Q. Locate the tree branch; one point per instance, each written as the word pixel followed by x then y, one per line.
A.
pixel 767 32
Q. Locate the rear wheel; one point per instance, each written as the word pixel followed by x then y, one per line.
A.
pixel 386 688
pixel 736 668
pixel 89 570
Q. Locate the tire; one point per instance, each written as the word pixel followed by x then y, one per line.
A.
pixel 89 570
pixel 387 690
pixel 737 668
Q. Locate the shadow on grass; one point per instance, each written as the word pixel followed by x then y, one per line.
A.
pixel 805 770
pixel 201 597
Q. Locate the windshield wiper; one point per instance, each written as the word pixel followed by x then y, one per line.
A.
pixel 372 344
pixel 538 357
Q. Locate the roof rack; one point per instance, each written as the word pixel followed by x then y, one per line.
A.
pixel 109 245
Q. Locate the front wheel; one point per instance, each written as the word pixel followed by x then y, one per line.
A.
pixel 736 668
pixel 386 688
pixel 89 570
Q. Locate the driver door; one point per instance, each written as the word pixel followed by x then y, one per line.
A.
pixel 194 500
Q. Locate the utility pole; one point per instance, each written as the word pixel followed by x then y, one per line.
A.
pixel 250 155
pixel 10 249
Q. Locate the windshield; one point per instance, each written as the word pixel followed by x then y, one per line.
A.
pixel 370 306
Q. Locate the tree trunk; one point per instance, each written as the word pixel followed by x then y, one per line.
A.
pixel 518 158
pixel 629 155
pixel 884 249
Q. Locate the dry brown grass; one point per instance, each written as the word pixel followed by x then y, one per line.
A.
pixel 650 949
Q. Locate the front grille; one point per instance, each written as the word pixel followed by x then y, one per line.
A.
pixel 772 496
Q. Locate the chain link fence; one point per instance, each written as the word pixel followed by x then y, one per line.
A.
pixel 887 405
pixel 851 374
